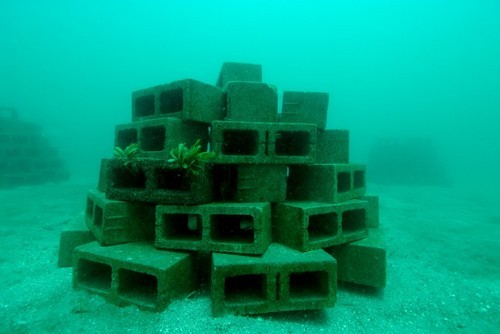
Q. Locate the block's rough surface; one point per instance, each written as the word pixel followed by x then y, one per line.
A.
pixel 251 102
pixel 364 261
pixel 312 225
pixel 243 228
pixel 134 273
pixel 331 183
pixel 114 222
pixel 333 146
pixel 188 99
pixel 282 279
pixel 231 71
pixel 68 241
pixel 373 211
pixel 305 107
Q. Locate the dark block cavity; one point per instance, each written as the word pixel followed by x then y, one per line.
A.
pixel 145 106
pixel 171 101
pixel 137 287
pixel 245 289
pixel 94 275
pixel 322 226
pixel 353 220
pixel 126 137
pixel 307 285
pixel 182 226
pixel 240 142
pixel 292 143
pixel 153 138
pixel 232 228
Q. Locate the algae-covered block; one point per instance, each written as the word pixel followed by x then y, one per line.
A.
pixel 305 107
pixel 113 222
pixel 313 225
pixel 188 99
pixel 331 183
pixel 333 146
pixel 243 228
pixel 282 279
pixel 156 137
pixel 261 142
pixel 231 71
pixel 68 241
pixel 250 183
pixel 251 102
pixel 364 261
pixel 373 211
pixel 134 273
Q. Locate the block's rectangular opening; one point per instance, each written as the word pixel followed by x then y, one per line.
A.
pixel 128 177
pixel 323 226
pixel 126 137
pixel 343 182
pixel 182 226
pixel 353 220
pixel 98 216
pixel 306 285
pixel 145 106
pixel 232 228
pixel 153 138
pixel 93 275
pixel 172 179
pixel 244 289
pixel 225 179
pixel 171 101
pixel 292 143
pixel 359 179
pixel 240 142
pixel 137 287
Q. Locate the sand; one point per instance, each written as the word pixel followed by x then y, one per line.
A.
pixel 443 273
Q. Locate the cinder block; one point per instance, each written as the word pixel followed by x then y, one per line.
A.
pixel 134 273
pixel 114 222
pixel 260 142
pixel 282 279
pixel 243 228
pixel 305 107
pixel 155 181
pixel 250 183
pixel 312 225
pixel 68 241
pixel 330 183
pixel 333 147
pixel 239 72
pixel 364 261
pixel 373 220
pixel 251 102
pixel 156 137
pixel 188 99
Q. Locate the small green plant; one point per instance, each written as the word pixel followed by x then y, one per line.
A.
pixel 128 156
pixel 191 159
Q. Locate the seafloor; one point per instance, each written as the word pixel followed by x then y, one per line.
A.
pixel 443 248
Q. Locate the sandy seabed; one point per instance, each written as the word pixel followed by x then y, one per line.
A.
pixel 443 252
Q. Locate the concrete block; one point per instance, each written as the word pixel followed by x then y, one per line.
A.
pixel 282 279
pixel 373 220
pixel 243 228
pixel 188 99
pixel 330 183
pixel 155 181
pixel 251 102
pixel 114 222
pixel 250 183
pixel 231 71
pixel 263 143
pixel 68 241
pixel 364 261
pixel 333 147
pixel 156 137
pixel 312 225
pixel 305 107
pixel 134 273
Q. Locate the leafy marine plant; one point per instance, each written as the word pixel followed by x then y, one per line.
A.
pixel 128 156
pixel 190 159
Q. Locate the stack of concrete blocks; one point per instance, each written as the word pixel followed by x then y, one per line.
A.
pixel 270 225
pixel 26 158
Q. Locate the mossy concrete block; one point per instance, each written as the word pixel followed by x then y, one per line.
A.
pixel 263 143
pixel 312 225
pixel 114 222
pixel 251 102
pixel 243 228
pixel 134 273
pixel 333 146
pixel 364 261
pixel 373 211
pixel 155 181
pixel 305 107
pixel 250 183
pixel 231 71
pixel 282 279
pixel 188 99
pixel 68 241
pixel 330 183
pixel 156 137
